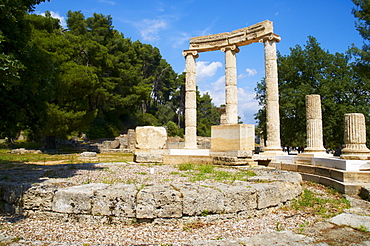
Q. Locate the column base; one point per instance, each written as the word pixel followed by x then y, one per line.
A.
pixel 362 153
pixel 315 154
pixel 273 152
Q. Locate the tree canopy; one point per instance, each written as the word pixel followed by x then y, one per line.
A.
pixel 312 70
pixel 87 78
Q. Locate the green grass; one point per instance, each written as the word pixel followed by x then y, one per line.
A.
pixel 186 167
pixel 325 207
pixel 209 172
pixel 10 160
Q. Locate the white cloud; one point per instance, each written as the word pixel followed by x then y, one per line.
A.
pixel 247 105
pixel 217 91
pixel 251 71
pixel 149 29
pixel 108 1
pixel 56 15
pixel 206 69
pixel 180 39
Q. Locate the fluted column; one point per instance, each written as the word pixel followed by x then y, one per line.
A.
pixel 314 124
pixel 355 137
pixel 190 100
pixel 273 143
pixel 231 90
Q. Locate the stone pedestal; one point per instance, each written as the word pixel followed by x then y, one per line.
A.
pixel 355 138
pixel 314 126
pixel 232 144
pixel 232 137
pixel 190 100
pixel 273 144
pixel 231 90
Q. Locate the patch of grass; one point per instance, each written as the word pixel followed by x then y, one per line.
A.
pixel 208 168
pixel 205 212
pixel 175 173
pixel 279 226
pixel 110 180
pixel 362 228
pixel 209 172
pixel 16 239
pixel 7 158
pixel 325 204
pixel 186 167
pixel 143 173
pixel 302 226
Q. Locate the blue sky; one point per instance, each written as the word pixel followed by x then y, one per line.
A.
pixel 169 25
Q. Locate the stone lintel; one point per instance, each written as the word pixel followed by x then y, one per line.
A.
pixel 239 37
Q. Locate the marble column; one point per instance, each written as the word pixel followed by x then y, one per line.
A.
pixel 314 124
pixel 355 137
pixel 273 143
pixel 231 90
pixel 190 100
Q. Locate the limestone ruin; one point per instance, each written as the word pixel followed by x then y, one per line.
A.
pixel 229 42
pixel 355 138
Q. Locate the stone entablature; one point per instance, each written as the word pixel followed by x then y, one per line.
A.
pixel 239 37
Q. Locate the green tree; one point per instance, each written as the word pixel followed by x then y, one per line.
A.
pixel 17 108
pixel 312 70
pixel 362 58
pixel 362 13
pixel 207 115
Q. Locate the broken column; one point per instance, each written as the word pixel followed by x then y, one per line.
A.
pixel 355 138
pixel 190 100
pixel 314 125
pixel 231 90
pixel 273 144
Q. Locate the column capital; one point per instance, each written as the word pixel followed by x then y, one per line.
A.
pixel 271 37
pixel 190 52
pixel 233 48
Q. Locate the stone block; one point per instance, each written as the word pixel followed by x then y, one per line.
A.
pixel 267 195
pixel 237 198
pixel 160 201
pixel 114 144
pixel 149 155
pixel 198 199
pixel 39 198
pixel 117 200
pixel 76 199
pixel 151 137
pixel 88 154
pixel 232 137
pixel 11 192
pixel 288 191
pixel 289 167
pixel 232 161
pixel 306 169
pixel 181 159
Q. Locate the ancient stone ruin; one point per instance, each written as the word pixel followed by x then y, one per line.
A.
pixel 159 203
pixel 229 42
pixel 355 138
